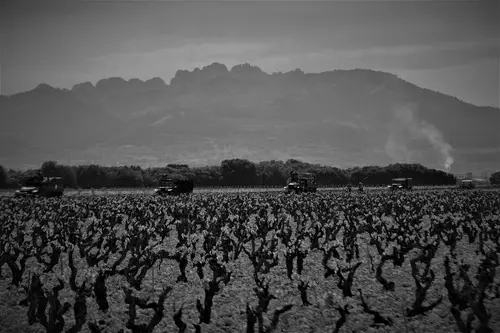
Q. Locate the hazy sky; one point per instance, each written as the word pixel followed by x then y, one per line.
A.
pixel 449 46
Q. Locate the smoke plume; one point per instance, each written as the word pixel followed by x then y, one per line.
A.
pixel 405 128
pixel 397 149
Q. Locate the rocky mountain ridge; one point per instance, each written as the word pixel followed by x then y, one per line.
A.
pixel 339 117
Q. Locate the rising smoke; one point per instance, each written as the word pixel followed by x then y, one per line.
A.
pixel 405 128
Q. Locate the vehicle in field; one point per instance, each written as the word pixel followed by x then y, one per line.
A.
pixel 300 183
pixel 401 184
pixel 171 186
pixel 467 184
pixel 42 186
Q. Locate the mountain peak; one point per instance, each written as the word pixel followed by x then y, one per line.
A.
pixel 135 81
pixel 155 83
pixel 44 86
pixel 83 86
pixel 209 72
pixel 112 81
pixel 215 68
pixel 246 69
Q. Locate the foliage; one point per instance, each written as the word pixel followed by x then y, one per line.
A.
pixel 3 177
pixel 278 238
pixel 495 178
pixel 236 172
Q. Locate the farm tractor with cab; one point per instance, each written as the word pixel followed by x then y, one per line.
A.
pixel 42 187
pixel 400 184
pixel 171 186
pixel 301 183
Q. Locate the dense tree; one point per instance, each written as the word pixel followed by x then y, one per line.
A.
pixel 238 172
pixel 208 176
pixel 53 169
pixel 178 166
pixel 234 172
pixel 126 177
pixel 91 176
pixel 420 175
pixel 13 178
pixel 271 173
pixel 330 176
pixel 50 169
pixel 3 177
pixel 495 178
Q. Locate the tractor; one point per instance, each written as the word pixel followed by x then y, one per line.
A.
pixel 42 187
pixel 305 182
pixel 467 184
pixel 171 186
pixel 401 184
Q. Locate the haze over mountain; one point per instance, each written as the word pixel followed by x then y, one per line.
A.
pixel 339 117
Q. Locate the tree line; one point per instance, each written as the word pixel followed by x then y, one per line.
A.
pixel 231 172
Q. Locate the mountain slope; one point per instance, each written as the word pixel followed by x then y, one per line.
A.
pixel 341 117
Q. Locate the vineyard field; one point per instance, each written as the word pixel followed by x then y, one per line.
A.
pixel 243 189
pixel 252 261
pixel 234 189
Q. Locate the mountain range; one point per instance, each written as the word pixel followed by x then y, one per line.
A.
pixel 341 118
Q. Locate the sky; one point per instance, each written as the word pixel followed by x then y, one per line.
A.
pixel 448 46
